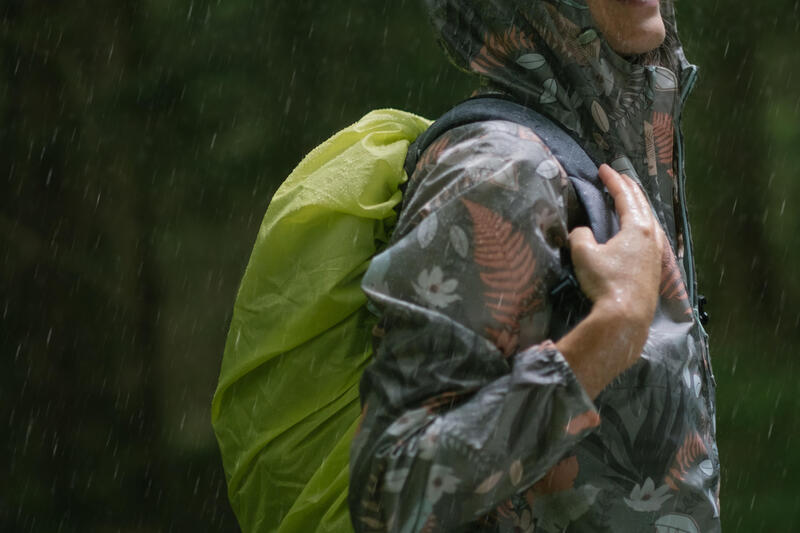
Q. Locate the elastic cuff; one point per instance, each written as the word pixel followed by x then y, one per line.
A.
pixel 544 364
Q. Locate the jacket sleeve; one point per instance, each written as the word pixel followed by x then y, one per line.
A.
pixel 467 402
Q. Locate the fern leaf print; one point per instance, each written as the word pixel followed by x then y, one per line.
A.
pixel 500 47
pixel 562 36
pixel 650 149
pixel 664 133
pixel 687 457
pixel 672 286
pixel 507 270
pixel 432 153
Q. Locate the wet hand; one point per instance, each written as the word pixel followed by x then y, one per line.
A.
pixel 622 276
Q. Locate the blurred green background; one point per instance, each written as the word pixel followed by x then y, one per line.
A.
pixel 139 145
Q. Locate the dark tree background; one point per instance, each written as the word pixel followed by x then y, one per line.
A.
pixel 139 145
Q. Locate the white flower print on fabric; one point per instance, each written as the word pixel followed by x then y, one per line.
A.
pixel 647 497
pixel 427 443
pixel 441 481
pixel 434 289
pixel 407 421
pixel 394 480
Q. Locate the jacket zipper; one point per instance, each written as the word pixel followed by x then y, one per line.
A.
pixel 687 85
pixel 711 382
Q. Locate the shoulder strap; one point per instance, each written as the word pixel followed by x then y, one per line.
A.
pixel 582 171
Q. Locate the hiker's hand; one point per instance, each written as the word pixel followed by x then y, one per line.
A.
pixel 622 276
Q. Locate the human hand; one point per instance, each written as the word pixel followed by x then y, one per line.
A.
pixel 622 276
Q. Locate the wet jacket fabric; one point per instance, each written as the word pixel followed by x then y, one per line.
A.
pixel 472 420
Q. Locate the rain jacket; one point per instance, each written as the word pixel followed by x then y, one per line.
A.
pixel 472 419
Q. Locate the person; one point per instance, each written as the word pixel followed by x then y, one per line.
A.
pixel 482 410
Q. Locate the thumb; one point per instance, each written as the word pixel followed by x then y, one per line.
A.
pixel 582 236
pixel 582 243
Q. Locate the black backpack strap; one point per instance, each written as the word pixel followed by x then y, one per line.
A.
pixel 582 171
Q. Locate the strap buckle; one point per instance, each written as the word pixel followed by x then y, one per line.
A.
pixel 702 301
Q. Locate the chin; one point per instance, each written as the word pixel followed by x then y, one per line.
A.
pixel 631 27
pixel 640 40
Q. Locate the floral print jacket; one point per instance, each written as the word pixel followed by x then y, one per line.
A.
pixel 473 421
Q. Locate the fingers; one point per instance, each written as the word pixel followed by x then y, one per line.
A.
pixel 619 187
pixel 629 199
pixel 612 180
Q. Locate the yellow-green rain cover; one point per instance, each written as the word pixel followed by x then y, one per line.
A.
pixel 287 404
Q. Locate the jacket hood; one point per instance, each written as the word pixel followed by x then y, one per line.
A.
pixel 549 55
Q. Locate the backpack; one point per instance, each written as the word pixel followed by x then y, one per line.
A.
pixel 287 406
